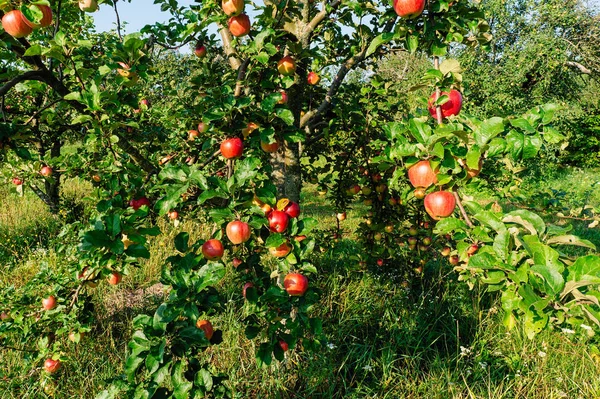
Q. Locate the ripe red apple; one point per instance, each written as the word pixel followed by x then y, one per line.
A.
pixel 200 51
pixel 202 127
pixel 286 66
pixel 292 209
pixel 412 241
pixel 232 148
pixel 313 78
pixel 114 278
pixel 88 5
pixel 273 147
pixel 246 286
pixel 145 102
pixel 295 284
pixel 49 303
pixel 379 262
pixel 138 203
pixel 96 178
pixel 281 251
pixel 409 8
pixel 213 249
pixel 278 221
pixel 193 135
pixel 284 97
pixel 17 181
pixel 238 232
pixel 446 251
pixel 173 215
pixel 239 25
pixel 454 260
pixel 46 17
pixel 439 204
pixel 232 7
pixel 236 262
pixel 46 171
pixel 422 175
pixel 300 238
pixel 51 366
pixel 284 346
pixel 449 108
pixel 14 24
pixel 207 327
pixel 376 177
pixel 341 216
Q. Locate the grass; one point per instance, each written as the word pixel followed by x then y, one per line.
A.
pixel 432 339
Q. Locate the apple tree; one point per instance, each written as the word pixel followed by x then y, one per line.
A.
pixel 219 138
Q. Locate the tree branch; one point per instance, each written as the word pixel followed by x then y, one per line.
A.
pixel 241 76
pixel 42 76
pixel 228 47
pixel 581 68
pixel 317 19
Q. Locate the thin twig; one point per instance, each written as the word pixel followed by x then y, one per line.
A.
pixel 42 109
pixel 210 159
pixel 118 20
pixel 462 209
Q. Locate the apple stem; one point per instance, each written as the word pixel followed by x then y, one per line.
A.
pixel 462 209
pixel 438 108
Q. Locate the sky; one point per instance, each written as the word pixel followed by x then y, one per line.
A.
pixel 137 14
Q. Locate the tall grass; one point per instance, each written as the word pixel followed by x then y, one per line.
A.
pixel 431 339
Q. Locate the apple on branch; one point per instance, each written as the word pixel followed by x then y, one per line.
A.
pixel 46 17
pixel 286 66
pixel 13 23
pixel 451 107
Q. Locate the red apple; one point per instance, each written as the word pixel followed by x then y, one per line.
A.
pixel 212 249
pixel 249 129
pixel 173 215
pixel 286 66
pixel 284 97
pixel 193 135
pixel 440 204
pixel 144 102
pixel 426 241
pixel 232 7
pixel 341 216
pixel 409 8
pixel 278 221
pixel 46 17
pixel 281 251
pixel 200 51
pixel 380 262
pixel 246 286
pixel 232 148
pixel 449 108
pixel 472 249
pixel 292 209
pixel 295 284
pixel 13 22
pixel 454 260
pixel 114 278
pixel 236 262
pixel 4 316
pixel 51 366
pixel 238 232
pixel 446 251
pixel 422 175
pixel 300 238
pixel 17 181
pixel 46 171
pixel 88 5
pixel 239 25
pixel 49 303
pixel 207 327
pixel 313 78
pixel 412 241
pixel 284 346
pixel 273 147
pixel 138 203
pixel 353 190
pixel 202 127
pixel 96 178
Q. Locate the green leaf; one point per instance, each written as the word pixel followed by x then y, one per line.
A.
pixel 527 219
pixel 204 379
pixel 585 268
pixel 449 225
pixel 180 384
pixel 285 115
pixel 488 129
pixel 181 241
pixel 522 124
pixel 570 240
pixel 138 251
pixel 246 169
pixel 274 240
pixel 113 224
pixel 378 41
pixel 264 354
pixel 33 50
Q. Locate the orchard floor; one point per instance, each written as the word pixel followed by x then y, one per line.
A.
pixel 432 339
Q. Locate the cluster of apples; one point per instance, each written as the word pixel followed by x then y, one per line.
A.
pixel 287 67
pixel 238 23
pixel 16 24
pixel 438 204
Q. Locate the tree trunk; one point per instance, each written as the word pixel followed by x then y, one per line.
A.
pixel 287 174
pixel 52 186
